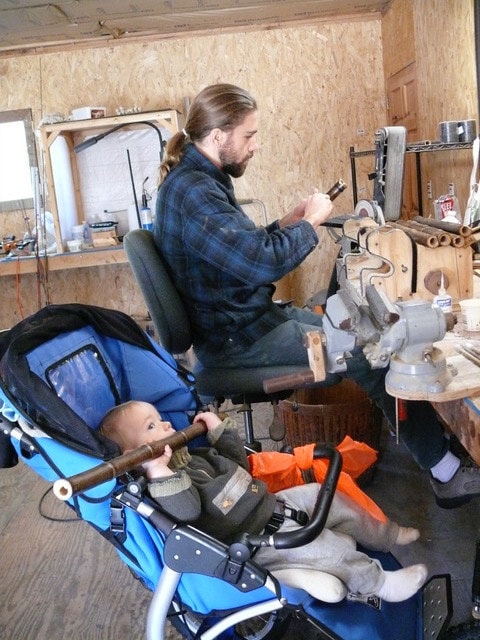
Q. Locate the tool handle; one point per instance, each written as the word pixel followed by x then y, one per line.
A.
pixel 290 381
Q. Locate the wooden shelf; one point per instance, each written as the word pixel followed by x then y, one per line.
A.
pixel 75 131
pixel 91 258
pixel 167 118
pixel 419 147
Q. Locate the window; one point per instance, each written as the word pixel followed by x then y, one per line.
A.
pixel 17 158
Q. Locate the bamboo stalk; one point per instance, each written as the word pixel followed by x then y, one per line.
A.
pixel 472 239
pixel 466 353
pixel 65 488
pixel 451 227
pixel 419 237
pixel 459 241
pixel 444 238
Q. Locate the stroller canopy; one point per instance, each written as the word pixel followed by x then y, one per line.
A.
pixel 66 365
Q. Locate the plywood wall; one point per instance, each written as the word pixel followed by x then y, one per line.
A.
pixel 319 88
pixel 398 36
pixel 446 62
pixel 438 35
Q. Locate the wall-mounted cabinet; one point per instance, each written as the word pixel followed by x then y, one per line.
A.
pixel 73 133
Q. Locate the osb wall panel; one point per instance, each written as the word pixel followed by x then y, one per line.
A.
pixel 319 89
pixel 447 88
pixel 439 36
pixel 106 286
pixel 398 37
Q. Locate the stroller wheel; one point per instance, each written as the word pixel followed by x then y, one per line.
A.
pixel 266 627
pixel 465 631
pixel 286 624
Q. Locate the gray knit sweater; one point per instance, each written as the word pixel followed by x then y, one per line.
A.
pixel 212 488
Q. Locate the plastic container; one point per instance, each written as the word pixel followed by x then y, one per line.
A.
pixel 74 245
pixel 146 218
pixel 77 232
pixel 471 313
pixel 446 208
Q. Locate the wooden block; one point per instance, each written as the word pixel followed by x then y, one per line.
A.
pixel 400 267
pixel 104 241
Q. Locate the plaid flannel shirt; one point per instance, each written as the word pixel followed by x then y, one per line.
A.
pixel 222 264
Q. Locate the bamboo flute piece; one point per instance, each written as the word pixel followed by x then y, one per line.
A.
pixel 65 488
pixel 459 241
pixel 451 227
pixel 444 238
pixel 419 237
pixel 472 239
pixel 468 354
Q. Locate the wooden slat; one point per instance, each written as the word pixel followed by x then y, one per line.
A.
pixel 61 261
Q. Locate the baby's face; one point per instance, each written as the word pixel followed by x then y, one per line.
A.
pixel 142 424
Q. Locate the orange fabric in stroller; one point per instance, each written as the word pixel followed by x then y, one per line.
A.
pixel 282 470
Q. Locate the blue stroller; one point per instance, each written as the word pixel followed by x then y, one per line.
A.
pixel 60 370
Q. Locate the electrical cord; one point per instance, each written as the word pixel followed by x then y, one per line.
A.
pixel 49 517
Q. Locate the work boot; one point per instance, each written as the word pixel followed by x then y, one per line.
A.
pixel 464 486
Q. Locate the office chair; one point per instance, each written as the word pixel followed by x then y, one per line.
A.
pixel 242 386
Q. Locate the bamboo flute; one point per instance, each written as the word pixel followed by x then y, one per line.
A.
pixel 425 239
pixel 65 488
pixel 472 239
pixel 451 227
pixel 444 238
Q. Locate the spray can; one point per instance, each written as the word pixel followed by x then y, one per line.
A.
pixel 146 217
pixel 145 211
pixel 87 236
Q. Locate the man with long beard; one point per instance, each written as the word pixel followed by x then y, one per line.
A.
pixel 223 267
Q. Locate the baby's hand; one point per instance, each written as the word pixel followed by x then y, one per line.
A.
pixel 158 468
pixel 209 418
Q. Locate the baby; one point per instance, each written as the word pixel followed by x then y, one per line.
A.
pixel 211 488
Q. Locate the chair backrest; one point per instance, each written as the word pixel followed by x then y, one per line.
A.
pixel 162 299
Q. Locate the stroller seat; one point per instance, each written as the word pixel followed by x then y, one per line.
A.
pixel 60 370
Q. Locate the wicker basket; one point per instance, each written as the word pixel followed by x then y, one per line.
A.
pixel 328 414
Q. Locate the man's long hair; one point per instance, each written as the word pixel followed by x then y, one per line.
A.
pixel 218 106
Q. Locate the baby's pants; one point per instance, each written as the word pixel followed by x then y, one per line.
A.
pixel 334 551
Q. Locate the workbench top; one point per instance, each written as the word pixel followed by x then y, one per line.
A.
pixel 458 406
pixel 465 382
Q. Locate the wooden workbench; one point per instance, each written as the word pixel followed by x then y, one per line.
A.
pixel 458 406
pixel 462 417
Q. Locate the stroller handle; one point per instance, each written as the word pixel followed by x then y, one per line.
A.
pixel 304 535
pixel 65 488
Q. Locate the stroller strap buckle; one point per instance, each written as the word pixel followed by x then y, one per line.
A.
pixel 280 512
pixel 295 514
pixel 117 517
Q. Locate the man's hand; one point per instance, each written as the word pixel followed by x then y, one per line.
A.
pixel 316 208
